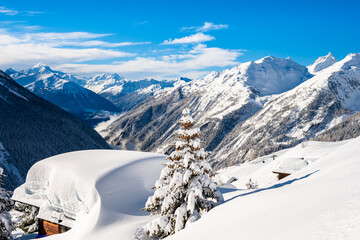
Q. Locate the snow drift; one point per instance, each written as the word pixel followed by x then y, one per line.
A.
pixel 318 201
pixel 104 190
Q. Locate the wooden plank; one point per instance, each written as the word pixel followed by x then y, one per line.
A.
pixel 51 228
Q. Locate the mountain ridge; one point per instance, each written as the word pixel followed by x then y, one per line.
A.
pixel 32 129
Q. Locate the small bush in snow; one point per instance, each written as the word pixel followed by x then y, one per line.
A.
pixel 251 185
pixel 6 204
pixel 184 190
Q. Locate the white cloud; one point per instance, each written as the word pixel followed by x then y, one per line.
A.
pixel 29 53
pixel 196 60
pixel 33 13
pixel 105 44
pixel 13 12
pixel 208 26
pixel 7 11
pixel 72 51
pixel 46 36
pixel 194 38
pixel 30 48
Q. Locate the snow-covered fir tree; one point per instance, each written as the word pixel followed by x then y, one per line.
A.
pixel 6 204
pixel 28 220
pixel 184 190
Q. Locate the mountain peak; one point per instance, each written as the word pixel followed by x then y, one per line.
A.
pixel 322 63
pixel 39 65
pixel 10 71
pixel 107 76
pixel 330 55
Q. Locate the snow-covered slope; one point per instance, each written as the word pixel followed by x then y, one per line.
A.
pixel 322 63
pixel 61 89
pixel 32 128
pixel 298 114
pixel 106 199
pixel 218 102
pixel 346 129
pixel 320 201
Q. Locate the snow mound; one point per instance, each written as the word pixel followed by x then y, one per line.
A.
pixel 104 190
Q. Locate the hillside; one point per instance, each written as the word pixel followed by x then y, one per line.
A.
pixel 318 201
pixel 346 129
pixel 32 129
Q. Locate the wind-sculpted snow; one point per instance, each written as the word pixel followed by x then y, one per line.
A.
pixel 104 190
pixel 318 201
pixel 32 129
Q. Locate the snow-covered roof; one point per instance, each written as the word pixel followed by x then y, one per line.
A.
pixel 83 183
pixel 291 165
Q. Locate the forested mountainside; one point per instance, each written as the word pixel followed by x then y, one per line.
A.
pixel 32 129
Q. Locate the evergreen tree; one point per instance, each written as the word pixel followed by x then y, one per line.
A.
pixel 6 204
pixel 184 190
pixel 28 221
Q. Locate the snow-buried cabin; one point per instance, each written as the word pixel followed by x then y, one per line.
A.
pixel 71 188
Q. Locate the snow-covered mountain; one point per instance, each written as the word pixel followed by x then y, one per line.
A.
pixel 296 115
pixel 62 90
pixel 322 63
pixel 42 72
pixel 345 129
pixel 31 129
pixel 124 93
pixel 218 103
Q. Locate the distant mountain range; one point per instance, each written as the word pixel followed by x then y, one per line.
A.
pixel 250 110
pixel 126 94
pixel 32 129
pixel 63 90
pixel 218 102
pixel 90 99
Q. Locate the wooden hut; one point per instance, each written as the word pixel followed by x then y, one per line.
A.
pixel 50 223
pixel 287 166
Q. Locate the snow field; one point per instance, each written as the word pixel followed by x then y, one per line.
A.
pixel 319 201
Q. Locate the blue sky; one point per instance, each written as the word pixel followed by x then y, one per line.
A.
pixel 172 38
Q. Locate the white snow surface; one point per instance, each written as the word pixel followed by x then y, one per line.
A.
pixel 319 201
pixel 104 190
